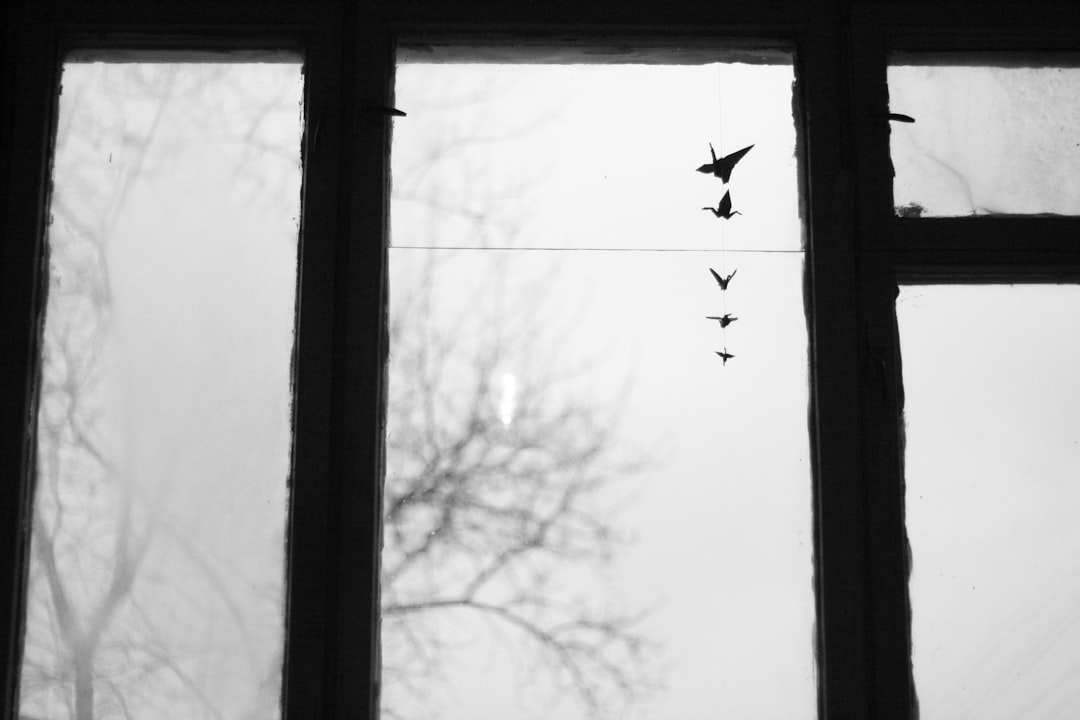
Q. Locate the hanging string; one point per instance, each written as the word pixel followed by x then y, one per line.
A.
pixel 723 224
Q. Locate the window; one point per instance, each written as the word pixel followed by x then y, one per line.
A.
pixel 954 259
pixel 859 252
pixel 566 513
pixel 992 135
pixel 156 582
pixel 993 447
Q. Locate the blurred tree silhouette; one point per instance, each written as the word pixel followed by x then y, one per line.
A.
pixel 501 480
pixel 502 477
pixel 498 504
pixel 142 572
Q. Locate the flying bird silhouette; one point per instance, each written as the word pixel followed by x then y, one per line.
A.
pixel 722 168
pixel 724 319
pixel 724 355
pixel 723 210
pixel 722 281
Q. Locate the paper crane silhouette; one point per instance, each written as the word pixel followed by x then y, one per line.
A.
pixel 722 168
pixel 723 210
pixel 724 355
pixel 724 319
pixel 723 281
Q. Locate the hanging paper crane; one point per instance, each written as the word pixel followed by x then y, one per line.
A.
pixel 723 210
pixel 724 319
pixel 723 281
pixel 722 168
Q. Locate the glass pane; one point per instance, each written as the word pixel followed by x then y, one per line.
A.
pixel 992 137
pixel 164 431
pixel 482 160
pixel 992 462
pixel 588 512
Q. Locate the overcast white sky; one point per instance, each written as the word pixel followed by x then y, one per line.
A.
pixel 992 412
pixel 604 157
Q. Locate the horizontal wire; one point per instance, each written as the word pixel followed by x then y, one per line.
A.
pixel 588 249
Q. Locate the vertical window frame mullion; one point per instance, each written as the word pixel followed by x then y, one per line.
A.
pixel 24 262
pixel 360 348
pixel 881 391
pixel 310 632
pixel 843 619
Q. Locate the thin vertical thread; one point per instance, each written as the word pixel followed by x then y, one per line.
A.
pixel 723 223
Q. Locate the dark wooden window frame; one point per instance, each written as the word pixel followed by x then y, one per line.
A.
pixel 895 251
pixel 859 253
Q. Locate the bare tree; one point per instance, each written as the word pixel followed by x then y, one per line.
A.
pixel 119 580
pixel 503 477
pixel 499 498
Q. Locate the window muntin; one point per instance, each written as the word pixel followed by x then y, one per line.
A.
pixel 992 135
pixel 156 582
pixel 991 463
pixel 549 282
